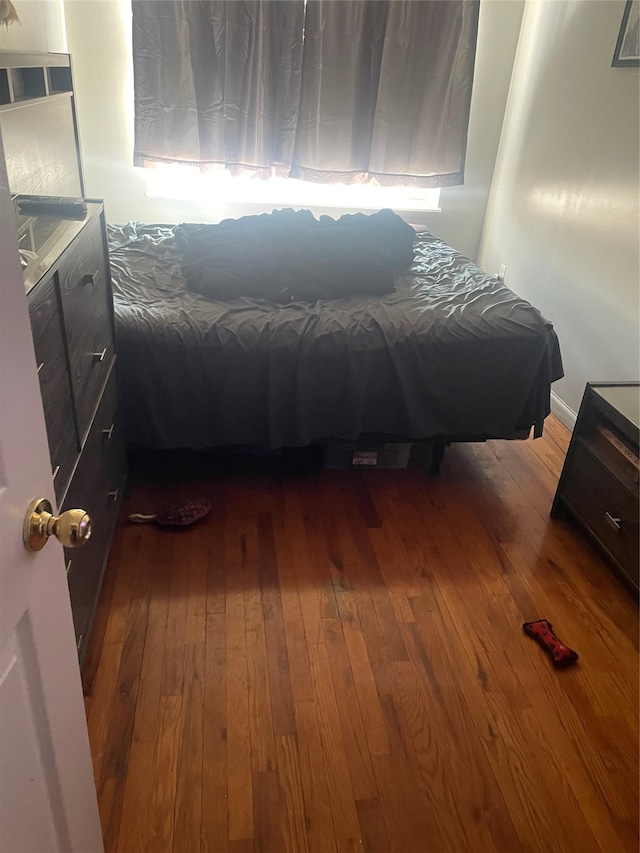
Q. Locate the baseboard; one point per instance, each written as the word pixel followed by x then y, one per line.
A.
pixel 564 414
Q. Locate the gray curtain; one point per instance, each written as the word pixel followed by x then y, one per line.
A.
pixel 393 102
pixel 217 82
pixel 351 90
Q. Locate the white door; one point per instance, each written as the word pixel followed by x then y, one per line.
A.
pixel 47 794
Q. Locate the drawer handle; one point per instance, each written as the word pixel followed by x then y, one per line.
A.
pixel 114 495
pixel 68 566
pixel 55 472
pixel 40 366
pixel 107 433
pixel 614 523
pixel 79 641
pixel 90 278
pixel 99 356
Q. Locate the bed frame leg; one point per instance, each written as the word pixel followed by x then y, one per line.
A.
pixel 437 454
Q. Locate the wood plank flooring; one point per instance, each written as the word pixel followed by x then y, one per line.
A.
pixel 335 661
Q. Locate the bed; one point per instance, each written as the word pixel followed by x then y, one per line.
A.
pixel 451 354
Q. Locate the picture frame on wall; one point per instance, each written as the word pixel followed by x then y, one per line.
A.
pixel 627 52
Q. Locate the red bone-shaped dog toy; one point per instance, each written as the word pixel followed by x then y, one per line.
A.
pixel 542 632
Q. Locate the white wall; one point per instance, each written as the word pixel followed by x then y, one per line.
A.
pixel 41 27
pixel 563 211
pixel 463 208
pixel 99 35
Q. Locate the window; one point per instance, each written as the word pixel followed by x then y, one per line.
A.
pixel 190 183
pixel 342 93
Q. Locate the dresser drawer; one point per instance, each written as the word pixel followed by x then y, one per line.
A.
pixel 108 426
pixel 97 488
pixel 84 575
pixel 606 507
pixel 55 388
pixel 86 309
pixel 101 466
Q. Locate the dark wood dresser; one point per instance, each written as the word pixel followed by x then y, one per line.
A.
pixel 67 281
pixel 599 481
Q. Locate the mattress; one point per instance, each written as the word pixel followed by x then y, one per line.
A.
pixel 451 352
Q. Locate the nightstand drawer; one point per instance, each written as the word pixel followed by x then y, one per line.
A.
pixel 54 382
pixel 606 507
pixel 87 320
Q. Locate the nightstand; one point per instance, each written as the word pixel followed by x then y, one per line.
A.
pixel 599 482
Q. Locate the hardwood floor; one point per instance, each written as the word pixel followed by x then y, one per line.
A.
pixel 335 661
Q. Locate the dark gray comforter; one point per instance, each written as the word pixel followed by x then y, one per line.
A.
pixel 451 352
pixel 289 255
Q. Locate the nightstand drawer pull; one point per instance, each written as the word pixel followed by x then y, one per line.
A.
pixel 614 523
pixel 90 278
pixel 68 566
pixel 114 495
pixel 56 471
pixel 40 366
pixel 107 433
pixel 99 356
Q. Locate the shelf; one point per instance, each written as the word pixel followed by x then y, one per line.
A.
pixel 623 399
pixel 59 79
pixel 618 466
pixel 5 90
pixel 37 77
pixel 28 83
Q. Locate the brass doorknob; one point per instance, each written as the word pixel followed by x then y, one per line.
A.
pixel 72 527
